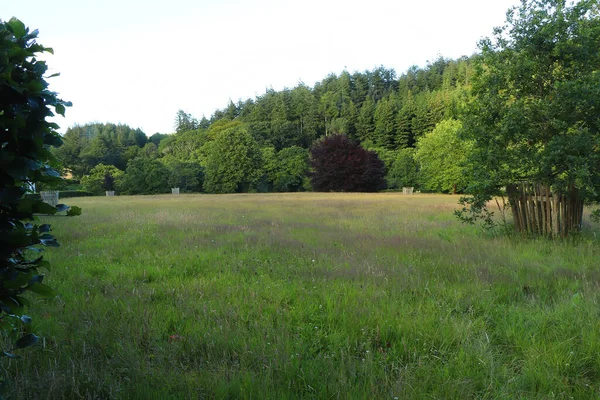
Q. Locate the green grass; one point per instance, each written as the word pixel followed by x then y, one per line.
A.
pixel 308 296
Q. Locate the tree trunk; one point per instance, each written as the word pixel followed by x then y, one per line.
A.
pixel 537 210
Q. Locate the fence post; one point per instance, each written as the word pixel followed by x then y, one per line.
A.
pixel 50 197
pixel 537 210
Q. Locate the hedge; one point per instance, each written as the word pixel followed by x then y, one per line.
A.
pixel 63 194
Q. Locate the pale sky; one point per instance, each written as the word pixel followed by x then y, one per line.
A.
pixel 138 62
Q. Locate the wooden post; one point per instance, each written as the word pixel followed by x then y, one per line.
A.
pixel 536 209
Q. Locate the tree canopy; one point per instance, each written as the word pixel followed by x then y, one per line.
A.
pixel 536 100
pixel 380 110
pixel 442 157
pixel 341 165
pixel 234 162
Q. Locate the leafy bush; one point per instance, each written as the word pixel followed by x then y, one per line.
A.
pixel 25 159
pixel 340 165
pixel 64 194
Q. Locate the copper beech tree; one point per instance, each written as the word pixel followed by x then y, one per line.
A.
pixel 340 165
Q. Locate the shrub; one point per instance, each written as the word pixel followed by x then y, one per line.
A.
pixel 25 158
pixel 63 194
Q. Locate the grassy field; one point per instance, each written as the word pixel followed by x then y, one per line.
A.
pixel 319 296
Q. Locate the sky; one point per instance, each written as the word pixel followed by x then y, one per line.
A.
pixel 138 62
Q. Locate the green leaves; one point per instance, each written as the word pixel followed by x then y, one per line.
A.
pixel 26 341
pixel 442 157
pixel 535 112
pixel 60 109
pixel 25 158
pixel 74 211
pixel 94 182
pixel 41 289
pixel 234 162
pixel 17 27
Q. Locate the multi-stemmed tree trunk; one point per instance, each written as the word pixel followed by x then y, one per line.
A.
pixel 534 117
pixel 536 209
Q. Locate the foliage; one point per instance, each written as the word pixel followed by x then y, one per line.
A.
pixel 184 146
pixel 403 172
pixel 74 211
pixel 234 162
pixel 62 184
pixel 188 176
pixel 595 216
pixel 384 112
pixel 340 165
pixel 157 138
pixel 185 122
pixel 108 182
pixel 146 175
pixel 268 170
pixel 290 169
pixel 25 158
pixel 534 112
pixel 442 155
pixel 86 146
pixel 385 126
pixel 63 194
pixel 385 155
pixel 96 182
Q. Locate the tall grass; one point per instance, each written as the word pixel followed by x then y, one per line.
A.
pixel 308 296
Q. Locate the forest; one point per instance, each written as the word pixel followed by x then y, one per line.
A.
pixel 263 144
pixel 518 119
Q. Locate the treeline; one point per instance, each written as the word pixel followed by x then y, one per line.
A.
pixel 263 144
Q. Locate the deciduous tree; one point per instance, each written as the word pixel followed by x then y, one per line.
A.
pixel 442 157
pixel 234 162
pixel 403 172
pixel 340 165
pixel 95 181
pixel 534 115
pixel 290 169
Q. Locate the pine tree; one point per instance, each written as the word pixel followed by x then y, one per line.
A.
pixel 405 136
pixel 365 124
pixel 385 126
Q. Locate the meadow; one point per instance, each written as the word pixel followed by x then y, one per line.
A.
pixel 324 296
